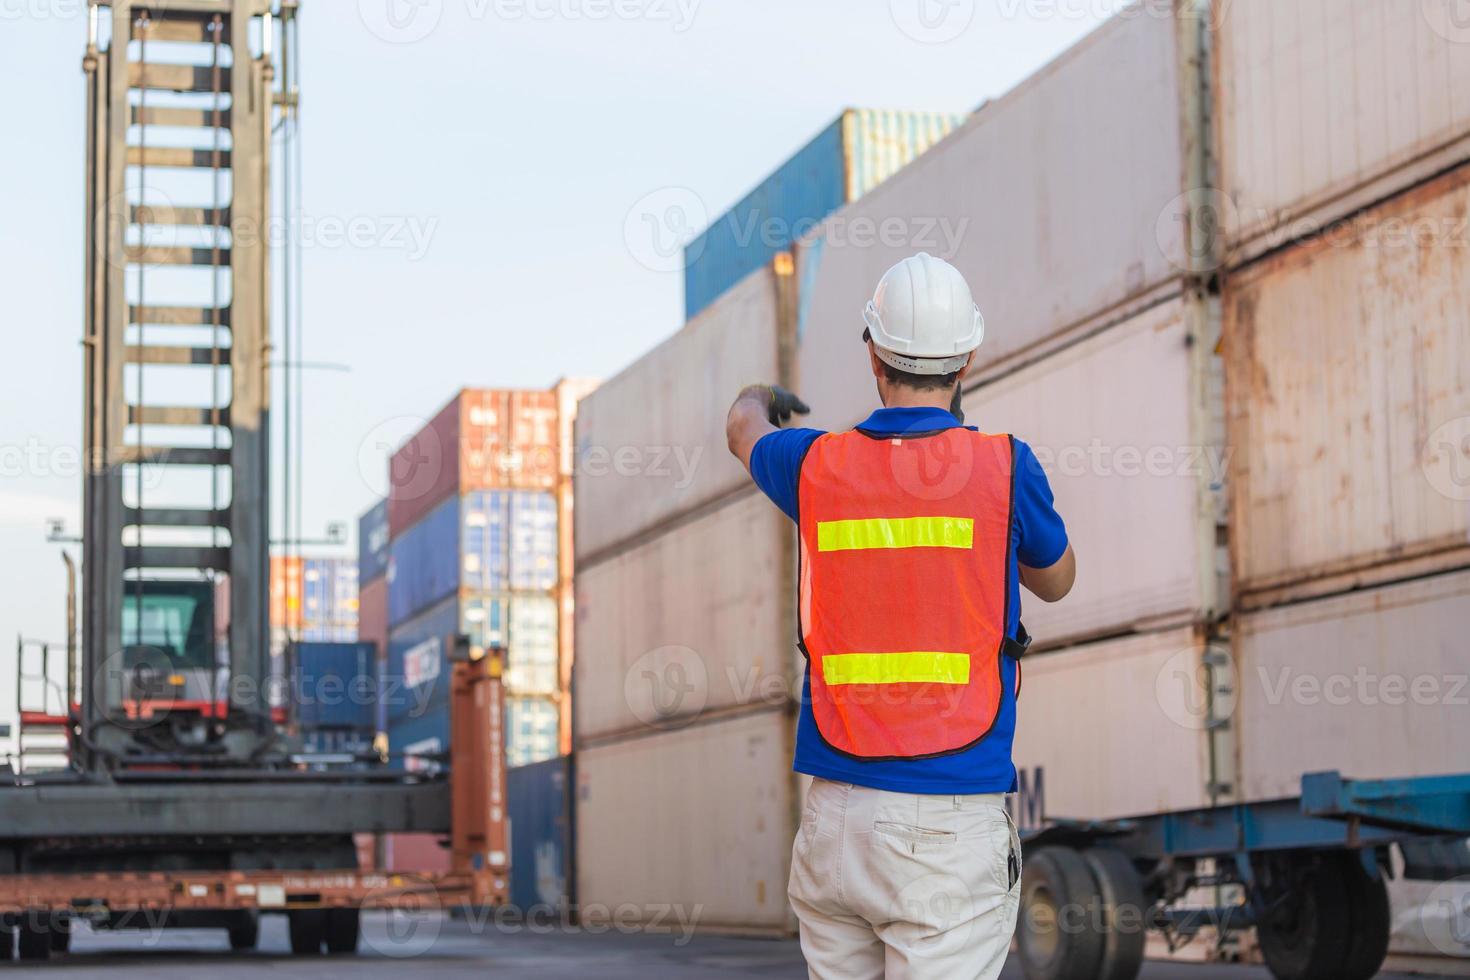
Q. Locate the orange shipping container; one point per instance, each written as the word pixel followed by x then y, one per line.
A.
pixel 484 439
pixel 372 614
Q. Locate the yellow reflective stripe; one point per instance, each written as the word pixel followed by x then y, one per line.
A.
pixel 896 532
pixel 896 668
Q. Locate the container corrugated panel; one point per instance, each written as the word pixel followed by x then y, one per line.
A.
pixel 857 152
pixel 415 853
pixel 532 657
pixel 417 672
pixel 1014 199
pixel 372 543
pixel 538 802
pixel 335 685
pixel 531 729
pixel 484 439
pixel 329 592
pixel 533 541
pixel 651 441
pixel 1317 100
pixel 690 621
pixel 485 541
pixel 1348 390
pixel 1109 421
pixel 424 565
pixel 697 818
pixel 337 741
pixel 1373 683
pixel 414 742
pixel 1085 714
pixel 286 589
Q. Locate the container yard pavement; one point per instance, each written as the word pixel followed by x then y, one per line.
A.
pixel 446 948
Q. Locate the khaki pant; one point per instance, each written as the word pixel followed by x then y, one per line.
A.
pixel 902 886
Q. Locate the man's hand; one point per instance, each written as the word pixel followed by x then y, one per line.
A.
pixel 784 404
pixel 758 411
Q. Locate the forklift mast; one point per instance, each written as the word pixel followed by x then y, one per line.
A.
pixel 180 107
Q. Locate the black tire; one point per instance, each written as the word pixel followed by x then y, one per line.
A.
pixel 245 933
pixel 1058 934
pixel 60 935
pixel 1124 912
pixel 1369 920
pixel 7 943
pixel 308 929
pixel 35 942
pixel 1302 936
pixel 344 926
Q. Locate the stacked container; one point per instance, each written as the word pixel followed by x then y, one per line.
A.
pixel 1253 420
pixel 372 587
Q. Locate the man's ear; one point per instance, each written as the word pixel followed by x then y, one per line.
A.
pixel 969 362
pixel 875 361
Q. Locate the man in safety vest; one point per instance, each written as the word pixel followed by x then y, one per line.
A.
pixel 915 534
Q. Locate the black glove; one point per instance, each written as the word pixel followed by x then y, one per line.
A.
pixel 783 405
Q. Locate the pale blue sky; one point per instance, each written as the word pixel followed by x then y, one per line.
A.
pixel 516 135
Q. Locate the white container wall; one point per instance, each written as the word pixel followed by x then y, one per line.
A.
pixel 651 441
pixel 1349 390
pixel 695 824
pixel 1318 98
pixel 1113 729
pixel 1109 420
pixel 1054 201
pixel 1374 683
pixel 690 621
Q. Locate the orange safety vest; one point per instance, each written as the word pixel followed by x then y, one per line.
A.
pixel 905 559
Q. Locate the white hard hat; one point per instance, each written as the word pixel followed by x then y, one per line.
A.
pixel 922 318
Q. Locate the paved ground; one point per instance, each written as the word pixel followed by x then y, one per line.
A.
pixel 442 949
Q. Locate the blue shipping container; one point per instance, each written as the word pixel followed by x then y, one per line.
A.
pixel 338 742
pixel 846 160
pixel 537 801
pixel 411 739
pixel 329 594
pixel 372 542
pixel 335 685
pixel 423 563
pixel 416 677
pixel 533 544
pixel 485 541
pixel 531 730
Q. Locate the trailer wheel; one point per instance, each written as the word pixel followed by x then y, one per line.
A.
pixel 35 942
pixel 60 935
pixel 1125 928
pixel 245 931
pixel 7 942
pixel 1369 920
pixel 1303 934
pixel 343 929
pixel 1057 937
pixel 308 929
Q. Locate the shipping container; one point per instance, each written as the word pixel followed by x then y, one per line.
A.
pixel 1348 386
pixel 539 805
pixel 487 541
pixel 532 651
pixel 1322 112
pixel 416 675
pixel 337 741
pixel 694 620
pixel 1113 423
pixel 1115 728
pixel 651 441
pixel 484 439
pixel 419 742
pixel 696 823
pixel 424 853
pixel 1375 683
pixel 372 615
pixel 532 728
pixel 372 543
pixel 334 685
pixel 328 593
pixel 569 392
pixel 1017 200
pixel 857 152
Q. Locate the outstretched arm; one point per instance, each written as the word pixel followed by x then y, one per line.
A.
pixel 758 411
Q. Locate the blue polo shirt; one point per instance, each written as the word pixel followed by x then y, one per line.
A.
pixel 1038 540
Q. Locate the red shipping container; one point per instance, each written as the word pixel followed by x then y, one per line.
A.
pixel 484 439
pixel 414 852
pixel 372 614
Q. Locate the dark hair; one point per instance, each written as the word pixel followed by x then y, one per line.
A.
pixel 922 382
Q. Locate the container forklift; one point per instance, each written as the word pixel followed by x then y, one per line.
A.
pixel 156 785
